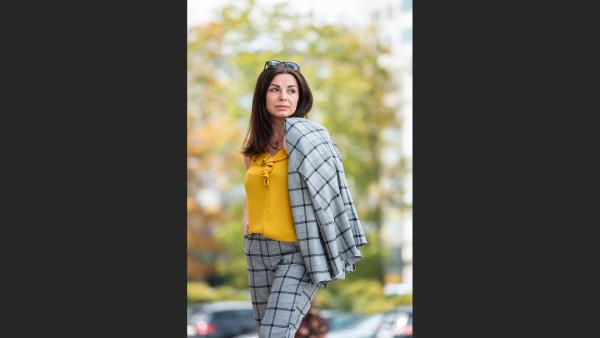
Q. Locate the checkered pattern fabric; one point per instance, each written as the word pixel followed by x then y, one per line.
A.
pixel 280 287
pixel 327 225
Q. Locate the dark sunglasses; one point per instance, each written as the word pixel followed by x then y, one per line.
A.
pixel 277 63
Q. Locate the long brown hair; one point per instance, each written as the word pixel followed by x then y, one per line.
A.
pixel 259 130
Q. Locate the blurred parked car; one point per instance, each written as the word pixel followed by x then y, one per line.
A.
pixel 247 335
pixel 339 320
pixel 396 323
pixel 224 319
pixel 363 327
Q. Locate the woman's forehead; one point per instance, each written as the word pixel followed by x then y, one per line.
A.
pixel 284 79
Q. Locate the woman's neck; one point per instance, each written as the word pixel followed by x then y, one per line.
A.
pixel 277 126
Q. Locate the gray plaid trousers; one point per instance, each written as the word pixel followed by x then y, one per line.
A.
pixel 279 284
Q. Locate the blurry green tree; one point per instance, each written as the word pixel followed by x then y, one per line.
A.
pixel 341 65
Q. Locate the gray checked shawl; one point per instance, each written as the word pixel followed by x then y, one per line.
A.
pixel 327 226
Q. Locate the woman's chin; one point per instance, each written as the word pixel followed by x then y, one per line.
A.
pixel 282 114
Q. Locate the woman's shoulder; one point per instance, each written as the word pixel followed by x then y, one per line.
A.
pixel 301 122
pixel 305 136
pixel 300 129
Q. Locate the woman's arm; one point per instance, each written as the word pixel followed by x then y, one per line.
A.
pixel 245 226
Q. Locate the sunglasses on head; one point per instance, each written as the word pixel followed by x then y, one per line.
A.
pixel 286 64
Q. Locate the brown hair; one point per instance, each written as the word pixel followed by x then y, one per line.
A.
pixel 259 130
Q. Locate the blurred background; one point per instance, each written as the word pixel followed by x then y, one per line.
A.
pixel 357 58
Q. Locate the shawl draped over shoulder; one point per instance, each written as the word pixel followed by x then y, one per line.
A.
pixel 327 225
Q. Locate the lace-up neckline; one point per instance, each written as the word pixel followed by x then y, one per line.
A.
pixel 266 162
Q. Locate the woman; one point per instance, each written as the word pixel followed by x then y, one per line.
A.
pixel 301 229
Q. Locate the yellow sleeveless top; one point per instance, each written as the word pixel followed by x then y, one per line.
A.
pixel 267 197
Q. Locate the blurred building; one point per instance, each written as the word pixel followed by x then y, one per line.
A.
pixel 393 19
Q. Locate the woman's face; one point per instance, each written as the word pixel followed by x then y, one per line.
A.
pixel 282 95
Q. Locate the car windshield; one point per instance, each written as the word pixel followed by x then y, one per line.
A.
pixel 196 318
pixel 193 308
pixel 233 315
pixel 344 321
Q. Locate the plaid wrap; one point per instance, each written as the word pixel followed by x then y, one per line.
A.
pixel 327 225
